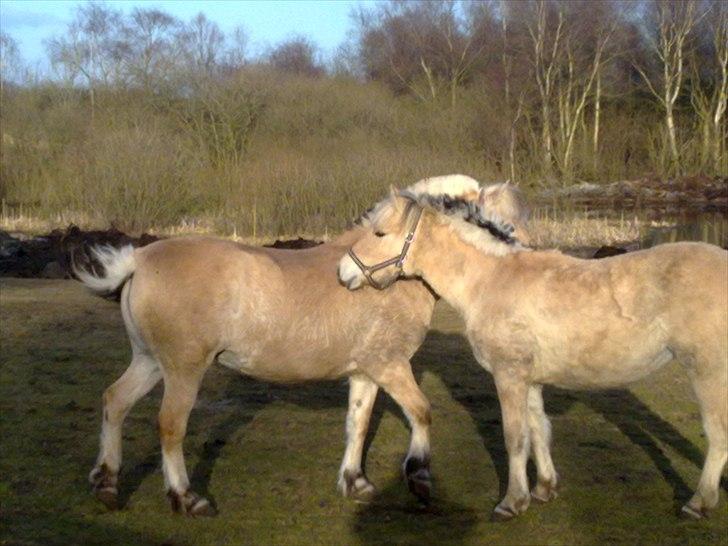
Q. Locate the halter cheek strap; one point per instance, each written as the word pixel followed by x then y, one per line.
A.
pixel 397 261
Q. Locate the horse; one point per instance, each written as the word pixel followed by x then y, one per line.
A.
pixel 273 314
pixel 541 317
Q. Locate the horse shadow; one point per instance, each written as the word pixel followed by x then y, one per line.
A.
pixel 449 357
pixel 474 389
pixel 239 399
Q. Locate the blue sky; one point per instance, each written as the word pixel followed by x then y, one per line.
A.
pixel 267 22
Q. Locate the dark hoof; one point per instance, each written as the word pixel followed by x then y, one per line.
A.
pixel 191 504
pixel 109 497
pixel 688 512
pixel 420 485
pixel 418 476
pixel 104 484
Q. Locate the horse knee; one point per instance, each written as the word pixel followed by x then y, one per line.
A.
pixel 423 413
pixel 171 429
pixel 114 408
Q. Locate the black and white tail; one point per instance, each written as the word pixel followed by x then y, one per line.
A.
pixel 118 264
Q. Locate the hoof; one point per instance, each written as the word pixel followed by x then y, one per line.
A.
pixel 419 480
pixel 688 512
pixel 420 485
pixel 191 504
pixel 544 494
pixel 501 513
pixel 109 497
pixel 356 486
pixel 104 486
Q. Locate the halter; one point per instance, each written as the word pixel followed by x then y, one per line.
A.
pixel 397 261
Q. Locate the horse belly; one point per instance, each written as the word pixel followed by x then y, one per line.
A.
pixel 273 365
pixel 607 369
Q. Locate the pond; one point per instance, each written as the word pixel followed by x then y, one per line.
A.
pixel 566 225
pixel 708 227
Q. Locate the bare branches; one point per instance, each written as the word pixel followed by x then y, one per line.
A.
pixel 674 23
pixel 412 45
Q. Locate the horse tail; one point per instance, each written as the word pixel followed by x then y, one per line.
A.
pixel 118 266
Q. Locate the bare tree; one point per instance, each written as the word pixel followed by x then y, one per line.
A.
pixel 582 74
pixel 92 48
pixel 149 38
pixel 10 62
pixel 546 30
pixel 421 47
pixel 297 55
pixel 200 44
pixel 709 89
pixel 235 54
pixel 674 22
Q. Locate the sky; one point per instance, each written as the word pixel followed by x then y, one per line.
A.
pixel 267 22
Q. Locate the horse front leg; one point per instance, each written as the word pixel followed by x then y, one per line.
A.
pixel 180 393
pixel 540 433
pixel 513 397
pixel 397 380
pixel 711 393
pixel 352 480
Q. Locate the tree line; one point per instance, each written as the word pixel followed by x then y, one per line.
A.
pixel 541 92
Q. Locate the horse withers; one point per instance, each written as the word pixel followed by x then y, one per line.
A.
pixel 541 317
pixel 277 315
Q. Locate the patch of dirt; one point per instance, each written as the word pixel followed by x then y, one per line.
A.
pixel 694 192
pixel 50 256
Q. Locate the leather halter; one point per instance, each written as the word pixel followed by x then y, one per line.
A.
pixel 397 261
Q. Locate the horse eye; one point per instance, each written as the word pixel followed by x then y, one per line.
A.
pixel 379 233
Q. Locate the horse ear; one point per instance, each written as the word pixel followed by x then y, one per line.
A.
pixel 395 194
pixel 481 197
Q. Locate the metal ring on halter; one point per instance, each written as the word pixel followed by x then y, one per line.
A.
pixel 397 261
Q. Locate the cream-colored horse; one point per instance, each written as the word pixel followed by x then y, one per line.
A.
pixel 278 315
pixel 537 318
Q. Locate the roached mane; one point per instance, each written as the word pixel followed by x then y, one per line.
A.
pixel 470 212
pixel 475 225
pixel 453 184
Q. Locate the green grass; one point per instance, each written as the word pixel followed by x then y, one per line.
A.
pixel 268 455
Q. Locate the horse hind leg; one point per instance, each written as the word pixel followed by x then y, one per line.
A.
pixel 352 480
pixel 712 393
pixel 139 378
pixel 180 393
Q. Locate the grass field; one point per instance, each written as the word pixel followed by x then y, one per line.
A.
pixel 268 455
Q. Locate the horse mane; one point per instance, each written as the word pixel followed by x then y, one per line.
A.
pixel 476 224
pixel 451 184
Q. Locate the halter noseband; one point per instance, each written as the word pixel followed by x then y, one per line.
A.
pixel 397 261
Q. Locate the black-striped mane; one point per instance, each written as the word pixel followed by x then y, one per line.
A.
pixel 469 211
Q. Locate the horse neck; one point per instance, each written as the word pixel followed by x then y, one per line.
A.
pixel 454 269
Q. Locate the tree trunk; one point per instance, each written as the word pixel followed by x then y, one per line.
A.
pixel 595 135
pixel 670 123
